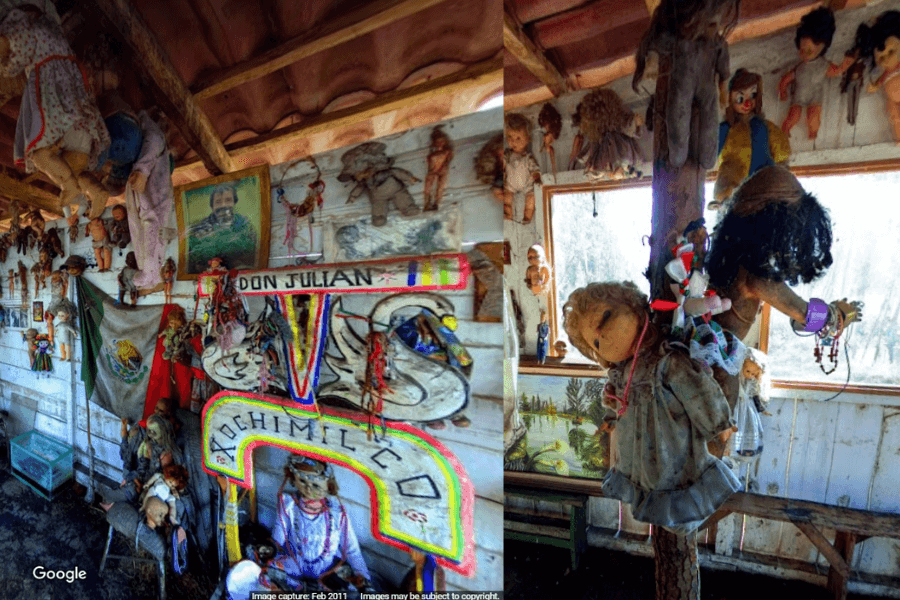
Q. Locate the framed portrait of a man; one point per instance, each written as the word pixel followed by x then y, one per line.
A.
pixel 224 218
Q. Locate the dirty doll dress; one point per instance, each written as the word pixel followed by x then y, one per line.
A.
pixel 662 467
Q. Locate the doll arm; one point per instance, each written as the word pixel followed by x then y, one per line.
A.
pixel 783 84
pixel 356 192
pixel 779 144
pixel 404 176
pixel 173 509
pixel 534 168
pixel 699 394
pixel 838 70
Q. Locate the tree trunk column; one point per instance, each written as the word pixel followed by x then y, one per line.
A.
pixel 677 565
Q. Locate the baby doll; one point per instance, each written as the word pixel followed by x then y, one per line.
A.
pixel 23 280
pixel 167 274
pixel 668 409
pixel 66 315
pixel 537 275
pixel 375 175
pixel 166 485
pixel 175 322
pixel 747 441
pixel 30 337
pixel 439 158
pixel 96 228
pixel 12 283
pixel 60 131
pixel 756 380
pixel 520 168
pixel 551 122
pixel 119 234
pixel 747 142
pixel 72 221
pixel 41 270
pixel 489 166
pixel 691 33
pixel 885 52
pixel 805 83
pixel 611 131
pixel 126 279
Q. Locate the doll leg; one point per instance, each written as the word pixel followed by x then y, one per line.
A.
pixel 74 144
pixel 64 352
pixel 429 181
pixel 53 166
pixel 508 204
pixel 379 211
pixel 529 208
pixel 792 118
pixel 405 204
pixel 894 115
pixel 107 258
pixel 813 120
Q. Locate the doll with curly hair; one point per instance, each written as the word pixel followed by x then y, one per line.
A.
pixel 884 51
pixel 668 408
pixel 521 170
pixel 606 144
pixel 691 33
pixel 489 165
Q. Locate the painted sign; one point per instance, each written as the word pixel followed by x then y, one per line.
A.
pixel 421 497
pixel 417 274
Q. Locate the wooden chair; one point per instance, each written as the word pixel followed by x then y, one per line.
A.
pixel 125 519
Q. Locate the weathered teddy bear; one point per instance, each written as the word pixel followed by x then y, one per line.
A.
pixel 375 175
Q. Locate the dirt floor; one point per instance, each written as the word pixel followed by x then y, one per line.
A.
pixel 66 534
pixel 535 571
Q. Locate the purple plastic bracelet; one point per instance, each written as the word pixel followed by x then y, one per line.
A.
pixel 816 315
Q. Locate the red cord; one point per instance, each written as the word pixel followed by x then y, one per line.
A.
pixel 624 401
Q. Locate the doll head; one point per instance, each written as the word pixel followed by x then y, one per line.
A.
pixel 176 319
pixel 163 408
pixel 772 228
pixel 440 140
pixel 159 431
pixel 156 512
pixel 176 477
pixel 536 255
pixel 131 260
pixel 313 478
pixel 884 38
pixel 216 264
pixel 550 120
pixel 745 96
pixel 518 132
pixel 31 335
pixel 75 265
pixel 490 161
pixel 814 34
pixel 119 212
pixel 755 376
pixel 604 321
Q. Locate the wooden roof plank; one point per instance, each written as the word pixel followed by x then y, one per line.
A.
pixel 368 18
pixel 170 91
pixel 520 45
pixel 25 192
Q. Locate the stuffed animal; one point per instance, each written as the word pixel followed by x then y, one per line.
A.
pixel 375 175
pixel 747 142
pixel 804 84
pixel 606 144
pixel 885 53
pixel 439 157
pixel 521 170
pixel 664 457
pixel 691 33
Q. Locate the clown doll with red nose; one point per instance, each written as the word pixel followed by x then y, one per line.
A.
pixel 747 141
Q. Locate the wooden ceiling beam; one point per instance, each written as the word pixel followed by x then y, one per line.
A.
pixel 532 58
pixel 588 21
pixel 33 196
pixel 150 60
pixel 368 18
pixel 478 74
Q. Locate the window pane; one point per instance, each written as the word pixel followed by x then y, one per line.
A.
pixel 865 219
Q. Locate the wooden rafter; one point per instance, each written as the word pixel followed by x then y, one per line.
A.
pixel 532 58
pixel 151 61
pixel 369 17
pixel 451 84
pixel 25 192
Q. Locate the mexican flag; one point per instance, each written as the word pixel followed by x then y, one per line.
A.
pixel 118 345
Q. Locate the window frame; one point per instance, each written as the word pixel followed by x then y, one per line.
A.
pixel 548 192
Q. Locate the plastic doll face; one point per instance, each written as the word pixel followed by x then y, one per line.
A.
pixel 888 58
pixel 810 50
pixel 119 213
pixel 751 370
pixel 156 512
pixel 533 258
pixel 744 101
pixel 517 140
pixel 154 431
pixel 612 331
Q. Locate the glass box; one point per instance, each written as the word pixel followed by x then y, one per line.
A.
pixel 41 462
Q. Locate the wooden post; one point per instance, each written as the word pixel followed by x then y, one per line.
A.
pixel 844 544
pixel 677 200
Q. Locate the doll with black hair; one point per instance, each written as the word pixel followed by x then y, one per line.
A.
pixel 691 34
pixel 804 84
pixel 668 408
pixel 747 141
pixel 884 49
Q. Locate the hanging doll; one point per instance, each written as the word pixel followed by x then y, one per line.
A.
pixel 537 275
pixel 885 53
pixel 126 280
pixel 29 336
pixel 747 440
pixel 12 283
pixel 41 270
pixel 375 175
pixel 119 235
pixel 489 166
pixel 51 242
pixel 15 227
pixel 551 122
pixel 59 132
pixel 440 156
pixel 43 363
pixel 167 274
pixel 691 33
pixel 36 224
pixel 804 84
pixel 59 301
pixel 747 142
pixel 67 316
pixel 543 338
pixel 521 171
pixel 5 245
pixel 23 280
pixel 606 144
pixel 854 66
pixel 96 228
pixel 668 408
pixel 72 221
pixel 174 323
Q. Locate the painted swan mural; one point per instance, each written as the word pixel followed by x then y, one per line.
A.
pixel 421 387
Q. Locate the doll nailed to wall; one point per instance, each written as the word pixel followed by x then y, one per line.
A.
pixel 440 155
pixel 668 408
pixel 537 275
pixel 521 170
pixel 489 166
pixel 747 141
